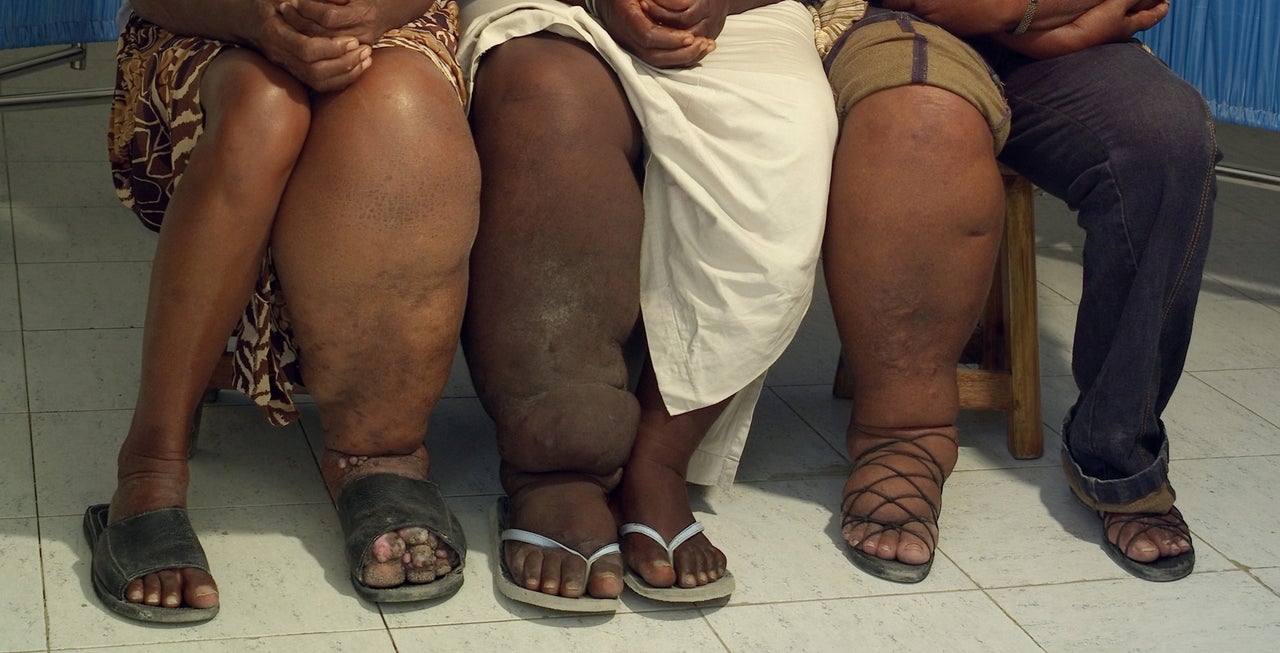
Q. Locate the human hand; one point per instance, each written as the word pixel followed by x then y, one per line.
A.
pixel 363 19
pixel 658 45
pixel 323 63
pixel 700 17
pixel 974 17
pixel 1112 21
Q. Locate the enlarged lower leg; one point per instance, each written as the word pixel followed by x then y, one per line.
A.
pixel 211 246
pixel 913 227
pixel 371 248
pixel 555 293
pixel 654 492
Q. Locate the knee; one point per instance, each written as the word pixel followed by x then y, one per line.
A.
pixel 931 143
pixel 255 111
pixel 1170 129
pixel 942 127
pixel 404 103
pixel 572 428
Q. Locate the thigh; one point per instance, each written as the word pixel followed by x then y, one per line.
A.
pixel 1110 110
pixel 889 49
pixel 554 89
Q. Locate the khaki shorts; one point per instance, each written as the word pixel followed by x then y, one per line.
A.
pixel 887 49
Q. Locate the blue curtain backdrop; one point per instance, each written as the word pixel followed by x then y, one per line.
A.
pixel 25 23
pixel 1230 50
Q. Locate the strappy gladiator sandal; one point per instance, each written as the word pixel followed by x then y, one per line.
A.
pixel 1160 570
pixel 908 460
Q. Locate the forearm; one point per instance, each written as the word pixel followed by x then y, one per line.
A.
pixel 740 6
pixel 978 17
pixel 236 21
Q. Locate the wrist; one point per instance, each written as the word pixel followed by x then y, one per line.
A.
pixel 1025 18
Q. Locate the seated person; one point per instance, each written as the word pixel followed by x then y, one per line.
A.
pixel 916 212
pixel 310 172
pixel 648 177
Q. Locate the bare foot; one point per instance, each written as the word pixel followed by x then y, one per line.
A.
pixel 573 511
pixel 657 496
pixel 894 495
pixel 406 555
pixel 146 482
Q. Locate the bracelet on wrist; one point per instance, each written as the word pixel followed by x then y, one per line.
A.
pixel 1027 17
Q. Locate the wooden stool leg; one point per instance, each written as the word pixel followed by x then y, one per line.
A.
pixel 1025 434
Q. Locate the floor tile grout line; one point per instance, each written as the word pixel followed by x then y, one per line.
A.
pixel 1233 399
pixel 812 427
pixel 1011 618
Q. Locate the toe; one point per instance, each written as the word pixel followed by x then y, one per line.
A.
pixel 1142 549
pixel 383 574
pixel 421 567
pixel 854 534
pixel 151 589
pixel 525 563
pixel 887 547
pixel 563 575
pixel 388 547
pixel 649 560
pixel 870 543
pixel 170 588
pixel 690 566
pixel 135 592
pixel 912 551
pixel 198 589
pixel 606 577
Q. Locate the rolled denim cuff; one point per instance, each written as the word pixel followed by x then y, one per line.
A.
pixel 1113 494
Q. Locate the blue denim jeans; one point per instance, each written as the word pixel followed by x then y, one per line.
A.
pixel 1113 132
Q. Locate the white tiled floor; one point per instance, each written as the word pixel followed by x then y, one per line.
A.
pixel 1019 566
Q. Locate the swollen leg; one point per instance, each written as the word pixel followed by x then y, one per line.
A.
pixel 555 294
pixel 913 227
pixel 211 246
pixel 371 248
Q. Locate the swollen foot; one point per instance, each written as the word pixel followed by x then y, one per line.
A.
pixel 893 498
pixel 572 511
pixel 405 555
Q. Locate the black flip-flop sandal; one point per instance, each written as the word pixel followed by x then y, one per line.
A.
pixel 142 544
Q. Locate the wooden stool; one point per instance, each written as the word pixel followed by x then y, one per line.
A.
pixel 1006 346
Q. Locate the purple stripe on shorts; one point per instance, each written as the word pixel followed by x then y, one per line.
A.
pixel 919 50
